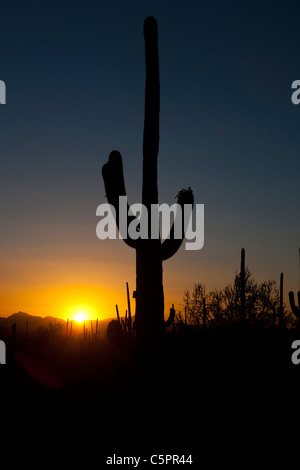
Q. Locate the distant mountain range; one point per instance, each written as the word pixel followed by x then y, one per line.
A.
pixel 33 323
pixel 22 319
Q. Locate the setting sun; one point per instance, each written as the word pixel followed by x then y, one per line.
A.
pixel 81 312
pixel 80 317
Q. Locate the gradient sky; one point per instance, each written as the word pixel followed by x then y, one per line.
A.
pixel 74 73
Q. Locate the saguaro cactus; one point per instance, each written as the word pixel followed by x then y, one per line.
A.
pixel 243 289
pixel 280 316
pixel 295 309
pixel 150 253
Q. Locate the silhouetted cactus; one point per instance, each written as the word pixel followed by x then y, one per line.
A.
pixel 204 314
pixel 280 313
pixel 171 317
pixel 243 289
pixel 126 324
pixel 96 332
pixel 150 253
pixel 295 309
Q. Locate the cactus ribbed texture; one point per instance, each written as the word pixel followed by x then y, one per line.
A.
pixel 150 253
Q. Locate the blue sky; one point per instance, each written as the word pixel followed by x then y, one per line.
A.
pixel 74 73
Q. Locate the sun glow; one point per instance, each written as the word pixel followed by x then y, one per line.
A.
pixel 81 313
pixel 80 317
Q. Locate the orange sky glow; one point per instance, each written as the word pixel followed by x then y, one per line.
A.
pixel 65 279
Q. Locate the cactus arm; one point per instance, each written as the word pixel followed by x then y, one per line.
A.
pixel 151 121
pixel 171 245
pixel 113 177
pixel 295 309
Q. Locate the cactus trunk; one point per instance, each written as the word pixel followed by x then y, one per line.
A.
pixel 149 298
pixel 149 281
pixel 151 121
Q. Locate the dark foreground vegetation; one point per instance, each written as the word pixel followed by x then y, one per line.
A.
pixel 208 374
pixel 223 372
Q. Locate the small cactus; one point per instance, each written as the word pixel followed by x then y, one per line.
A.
pixel 281 301
pixel 243 289
pixel 171 317
pixel 204 314
pixel 126 324
pixel 295 309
